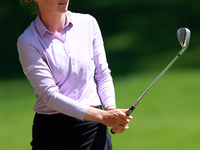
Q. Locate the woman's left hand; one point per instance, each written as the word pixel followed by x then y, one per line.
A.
pixel 120 129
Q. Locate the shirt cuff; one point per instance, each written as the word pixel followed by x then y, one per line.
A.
pixel 108 102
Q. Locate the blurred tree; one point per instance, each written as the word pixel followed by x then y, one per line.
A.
pixel 138 35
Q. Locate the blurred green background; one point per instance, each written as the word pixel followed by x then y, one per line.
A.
pixel 140 40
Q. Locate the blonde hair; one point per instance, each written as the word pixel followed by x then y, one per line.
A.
pixel 31 4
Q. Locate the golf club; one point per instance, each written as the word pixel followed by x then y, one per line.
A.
pixel 183 35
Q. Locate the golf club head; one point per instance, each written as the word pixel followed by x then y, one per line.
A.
pixel 183 35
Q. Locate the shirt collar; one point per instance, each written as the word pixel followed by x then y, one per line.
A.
pixel 42 29
pixel 69 18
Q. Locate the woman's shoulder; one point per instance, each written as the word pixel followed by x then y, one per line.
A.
pixel 29 34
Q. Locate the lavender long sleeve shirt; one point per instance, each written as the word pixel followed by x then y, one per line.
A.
pixel 68 70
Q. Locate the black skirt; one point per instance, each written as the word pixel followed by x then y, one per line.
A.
pixel 61 132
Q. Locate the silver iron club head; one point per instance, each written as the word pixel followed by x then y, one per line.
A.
pixel 183 35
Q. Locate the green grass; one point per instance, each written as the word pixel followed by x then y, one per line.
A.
pixel 167 117
pixel 16 114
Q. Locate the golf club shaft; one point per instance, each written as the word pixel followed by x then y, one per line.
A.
pixel 183 35
pixel 145 92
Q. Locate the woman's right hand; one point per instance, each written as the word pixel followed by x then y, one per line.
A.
pixel 116 118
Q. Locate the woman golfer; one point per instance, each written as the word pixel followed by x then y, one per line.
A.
pixel 62 54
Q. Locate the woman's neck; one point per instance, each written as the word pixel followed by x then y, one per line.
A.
pixel 53 22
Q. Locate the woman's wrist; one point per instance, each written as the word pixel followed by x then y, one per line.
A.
pixel 110 108
pixel 94 114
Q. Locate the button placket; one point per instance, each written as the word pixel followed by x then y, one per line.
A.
pixel 73 61
pixel 74 66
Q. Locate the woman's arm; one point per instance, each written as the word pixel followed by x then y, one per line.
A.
pixel 42 80
pixel 115 118
pixel 102 75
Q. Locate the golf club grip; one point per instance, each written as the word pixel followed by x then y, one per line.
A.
pixel 130 110
pixel 127 113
